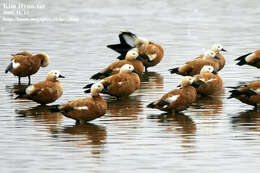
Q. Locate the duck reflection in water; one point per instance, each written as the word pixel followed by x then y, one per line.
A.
pixel 87 134
pixel 125 109
pixel 247 120
pixel 15 87
pixel 209 105
pixel 151 80
pixel 42 114
pixel 178 123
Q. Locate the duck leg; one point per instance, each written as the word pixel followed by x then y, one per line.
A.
pixel 29 78
pixel 19 80
pixel 146 69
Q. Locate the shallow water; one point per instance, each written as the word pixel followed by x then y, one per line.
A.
pixel 214 134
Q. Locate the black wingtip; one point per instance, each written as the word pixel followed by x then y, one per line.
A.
pixel 242 57
pixel 54 108
pixel 96 76
pixel 151 105
pixel 241 62
pixel 120 48
pixel 87 91
pixel 88 86
pixel 101 75
pixel 174 70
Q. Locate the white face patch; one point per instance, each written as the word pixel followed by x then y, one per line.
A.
pixel 120 83
pixel 15 65
pixel 126 68
pixel 29 89
pixel 250 58
pixel 81 108
pixel 172 99
pixel 152 57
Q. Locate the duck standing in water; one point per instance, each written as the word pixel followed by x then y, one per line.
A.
pixel 178 99
pixel 85 109
pixel 248 94
pixel 24 64
pixel 44 92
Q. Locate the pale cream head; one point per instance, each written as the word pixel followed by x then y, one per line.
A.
pixel 207 69
pixel 186 81
pixel 217 48
pixel 96 89
pixel 209 54
pixel 54 75
pixel 132 54
pixel 127 68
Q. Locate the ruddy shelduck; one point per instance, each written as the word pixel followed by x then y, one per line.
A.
pixel 252 59
pixel 218 48
pixel 122 84
pixel 132 57
pixel 44 92
pixel 85 109
pixel 194 67
pixel 178 99
pixel 248 93
pixel 24 64
pixel 213 82
pixel 151 52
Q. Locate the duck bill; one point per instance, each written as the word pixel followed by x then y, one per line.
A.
pixel 60 76
pixel 140 58
pixel 214 72
pixel 134 71
pixel 224 50
pixel 198 84
pixel 216 57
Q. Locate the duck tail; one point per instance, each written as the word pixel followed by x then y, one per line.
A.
pixel 101 75
pixel 242 59
pixel 234 94
pixel 9 68
pixel 174 70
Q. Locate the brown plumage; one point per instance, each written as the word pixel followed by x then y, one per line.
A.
pixel 24 64
pixel 252 59
pixel 44 92
pixel 87 108
pixel 154 53
pixel 249 93
pixel 122 84
pixel 178 99
pixel 194 67
pixel 213 82
pixel 132 57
